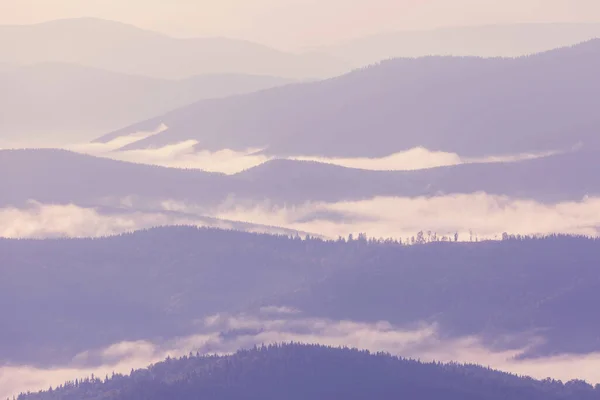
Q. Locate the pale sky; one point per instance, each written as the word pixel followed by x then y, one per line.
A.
pixel 292 24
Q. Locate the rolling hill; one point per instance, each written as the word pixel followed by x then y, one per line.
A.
pixel 295 372
pixel 55 102
pixel 122 48
pixel 470 106
pixel 61 297
pixel 62 177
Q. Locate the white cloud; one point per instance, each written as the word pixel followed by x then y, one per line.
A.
pixel 183 155
pixel 485 215
pixel 177 155
pixel 47 221
pixel 41 221
pixel 186 155
pixel 419 158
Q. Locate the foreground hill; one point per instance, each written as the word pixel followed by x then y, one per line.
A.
pixel 59 298
pixel 118 47
pixel 57 176
pixel 45 102
pixel 469 106
pixel 314 372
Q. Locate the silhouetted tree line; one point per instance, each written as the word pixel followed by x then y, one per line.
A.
pixel 295 371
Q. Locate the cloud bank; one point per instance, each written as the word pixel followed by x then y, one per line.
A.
pixel 44 221
pixel 189 155
pixel 486 216
pixel 473 216
pixel 186 155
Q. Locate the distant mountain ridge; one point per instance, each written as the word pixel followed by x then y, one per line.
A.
pixel 512 40
pixel 470 106
pixel 58 176
pixel 49 101
pixel 123 48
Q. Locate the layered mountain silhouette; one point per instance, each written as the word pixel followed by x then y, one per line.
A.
pixel 53 101
pixel 462 287
pixel 164 282
pixel 126 49
pixel 58 176
pixel 465 105
pixel 298 372
pixel 79 299
pixel 484 41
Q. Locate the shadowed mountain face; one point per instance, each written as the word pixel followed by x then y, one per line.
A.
pixel 123 48
pixel 61 177
pixel 46 102
pixel 447 282
pixel 470 106
pixel 298 372
pixel 163 283
pixel 183 275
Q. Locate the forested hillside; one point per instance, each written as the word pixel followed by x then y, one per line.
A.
pixel 61 297
pixel 299 372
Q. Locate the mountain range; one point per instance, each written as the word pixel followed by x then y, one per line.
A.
pixel 532 296
pixel 62 177
pixel 474 107
pixel 511 40
pixel 80 78
pixel 123 48
pixel 110 262
pixel 57 102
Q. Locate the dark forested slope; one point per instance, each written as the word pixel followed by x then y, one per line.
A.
pixel 545 287
pixel 61 297
pixel 300 372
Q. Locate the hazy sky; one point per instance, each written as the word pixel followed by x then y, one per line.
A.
pixel 295 23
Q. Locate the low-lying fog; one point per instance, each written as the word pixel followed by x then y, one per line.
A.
pixel 186 155
pixel 473 216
